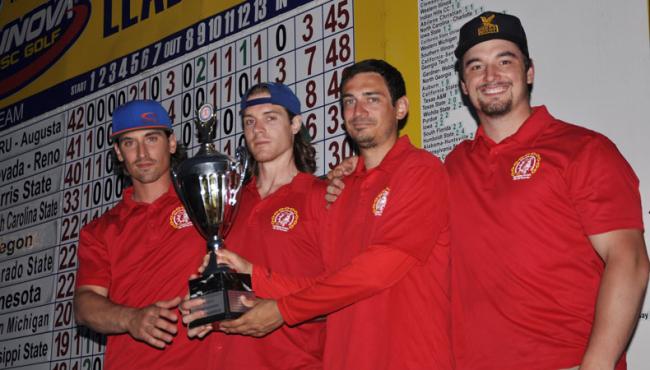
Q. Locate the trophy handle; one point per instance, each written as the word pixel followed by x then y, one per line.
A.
pixel 178 187
pixel 241 166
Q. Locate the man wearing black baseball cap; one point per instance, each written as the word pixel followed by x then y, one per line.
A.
pixel 135 259
pixel 549 264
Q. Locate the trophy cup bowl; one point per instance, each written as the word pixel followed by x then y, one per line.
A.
pixel 208 185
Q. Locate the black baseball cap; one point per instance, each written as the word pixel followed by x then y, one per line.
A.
pixel 490 26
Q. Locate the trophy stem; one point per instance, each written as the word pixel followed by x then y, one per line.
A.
pixel 215 243
pixel 213 267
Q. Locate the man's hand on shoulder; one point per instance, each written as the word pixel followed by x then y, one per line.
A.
pixel 154 324
pixel 335 177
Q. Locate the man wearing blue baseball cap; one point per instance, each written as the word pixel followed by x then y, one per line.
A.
pixel 549 264
pixel 277 225
pixel 384 247
pixel 134 261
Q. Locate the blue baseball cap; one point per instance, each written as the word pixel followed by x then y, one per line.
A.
pixel 138 115
pixel 280 95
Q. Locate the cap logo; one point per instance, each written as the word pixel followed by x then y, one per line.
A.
pixel 149 117
pixel 526 166
pixel 487 26
pixel 284 219
pixel 380 201
pixel 179 218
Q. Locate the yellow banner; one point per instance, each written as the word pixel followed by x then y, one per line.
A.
pixel 47 42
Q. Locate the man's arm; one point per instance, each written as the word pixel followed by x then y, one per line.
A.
pixel 370 272
pixel 271 284
pixel 367 274
pixel 154 324
pixel 620 296
pixel 392 253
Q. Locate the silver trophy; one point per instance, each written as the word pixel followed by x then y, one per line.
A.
pixel 208 185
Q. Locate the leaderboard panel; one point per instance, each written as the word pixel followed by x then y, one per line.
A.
pixel 57 172
pixel 56 178
pixel 306 51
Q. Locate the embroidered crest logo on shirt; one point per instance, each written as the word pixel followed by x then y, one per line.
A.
pixel 284 219
pixel 487 26
pixel 380 202
pixel 526 166
pixel 179 218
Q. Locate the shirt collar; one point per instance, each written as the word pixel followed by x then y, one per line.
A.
pixel 401 145
pixel 527 133
pixel 298 184
pixel 127 197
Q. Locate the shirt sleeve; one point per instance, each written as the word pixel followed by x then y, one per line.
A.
pixel 415 215
pixel 417 210
pixel 604 188
pixel 94 265
pixel 270 284
pixel 369 273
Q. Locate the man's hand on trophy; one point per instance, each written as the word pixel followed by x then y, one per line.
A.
pixel 234 261
pixel 335 177
pixel 261 319
pixel 191 310
pixel 154 324
pixel 206 260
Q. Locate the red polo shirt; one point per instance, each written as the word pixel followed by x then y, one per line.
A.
pixel 386 254
pixel 280 231
pixel 145 253
pixel 524 275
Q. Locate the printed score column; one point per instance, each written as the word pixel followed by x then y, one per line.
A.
pixel 29 220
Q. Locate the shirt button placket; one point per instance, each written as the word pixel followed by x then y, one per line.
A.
pixel 493 167
pixel 152 214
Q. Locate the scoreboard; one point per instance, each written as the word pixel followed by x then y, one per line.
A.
pixel 65 65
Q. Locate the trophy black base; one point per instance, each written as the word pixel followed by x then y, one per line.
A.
pixel 222 292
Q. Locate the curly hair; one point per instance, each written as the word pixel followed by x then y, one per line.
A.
pixel 304 154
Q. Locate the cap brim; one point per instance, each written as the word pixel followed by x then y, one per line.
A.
pixel 462 49
pixel 164 128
